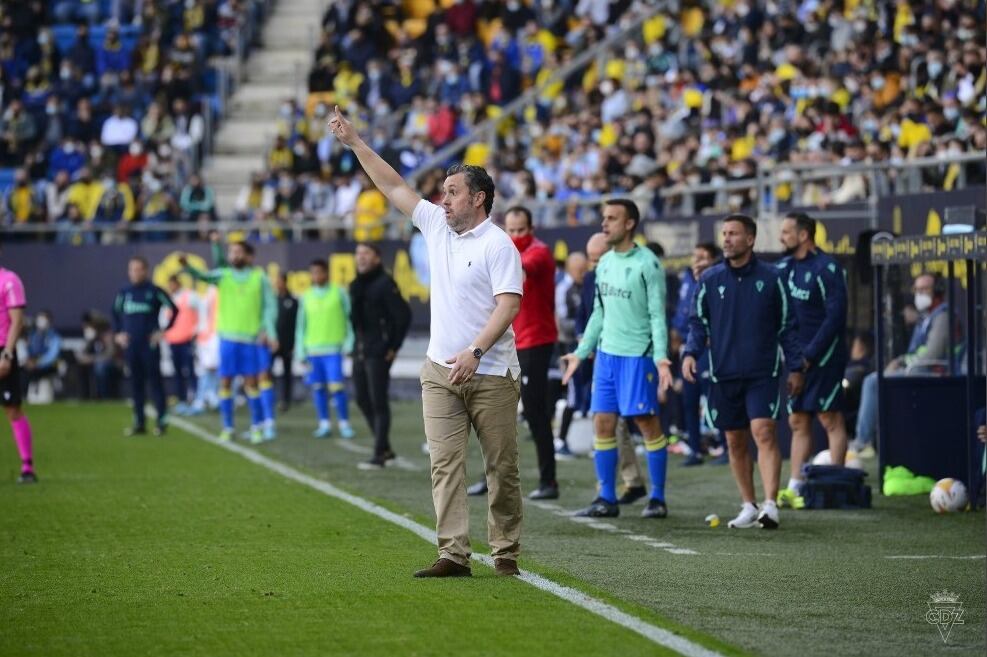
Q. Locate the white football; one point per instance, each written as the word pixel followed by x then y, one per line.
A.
pixel 948 495
pixel 823 458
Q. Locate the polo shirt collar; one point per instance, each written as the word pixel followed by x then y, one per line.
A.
pixel 477 231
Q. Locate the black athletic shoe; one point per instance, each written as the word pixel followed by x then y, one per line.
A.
pixel 655 509
pixel 134 431
pixel 389 455
pixel 692 460
pixel 477 489
pixel 600 508
pixel 28 478
pixel 376 463
pixel 632 495
pixel 545 492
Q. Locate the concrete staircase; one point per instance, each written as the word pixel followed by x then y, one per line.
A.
pixel 274 72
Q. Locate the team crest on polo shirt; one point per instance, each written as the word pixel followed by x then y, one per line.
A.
pixel 759 285
pixel 808 276
pixel 721 290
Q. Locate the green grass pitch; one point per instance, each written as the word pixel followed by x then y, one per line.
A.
pixel 174 546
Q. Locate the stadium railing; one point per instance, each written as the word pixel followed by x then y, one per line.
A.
pixel 907 177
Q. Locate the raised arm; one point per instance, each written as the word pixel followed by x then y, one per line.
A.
pixel 387 180
pixel 211 277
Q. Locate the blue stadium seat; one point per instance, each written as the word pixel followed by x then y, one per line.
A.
pixel 64 35
pixel 7 178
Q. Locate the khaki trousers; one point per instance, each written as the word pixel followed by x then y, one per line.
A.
pixel 489 405
pixel 630 470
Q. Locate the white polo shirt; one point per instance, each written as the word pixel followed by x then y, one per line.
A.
pixel 467 272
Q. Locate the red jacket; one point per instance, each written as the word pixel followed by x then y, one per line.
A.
pixel 535 322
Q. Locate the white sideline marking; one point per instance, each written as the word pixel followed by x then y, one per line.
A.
pixel 610 528
pixel 607 611
pixel 933 556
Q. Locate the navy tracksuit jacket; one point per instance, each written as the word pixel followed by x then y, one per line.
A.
pixel 136 312
pixel 743 316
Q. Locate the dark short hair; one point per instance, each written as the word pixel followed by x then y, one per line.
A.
pixel 173 279
pixel 630 207
pixel 321 264
pixel 370 245
pixel 520 209
pixel 803 222
pixel 477 180
pixel 656 248
pixel 140 259
pixel 710 248
pixel 247 247
pixel 749 224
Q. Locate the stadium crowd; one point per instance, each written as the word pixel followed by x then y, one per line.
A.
pixel 103 110
pixel 702 94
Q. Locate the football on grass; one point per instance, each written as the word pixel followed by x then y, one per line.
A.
pixel 948 495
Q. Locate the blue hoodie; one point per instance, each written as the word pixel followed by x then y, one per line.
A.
pixel 818 296
pixel 744 316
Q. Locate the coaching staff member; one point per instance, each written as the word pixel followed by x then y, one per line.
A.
pixel 138 331
pixel 742 316
pixel 380 318
pixel 471 375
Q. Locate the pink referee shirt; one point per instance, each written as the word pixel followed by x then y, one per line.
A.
pixel 11 296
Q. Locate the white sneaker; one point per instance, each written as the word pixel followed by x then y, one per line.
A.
pixel 768 519
pixel 746 520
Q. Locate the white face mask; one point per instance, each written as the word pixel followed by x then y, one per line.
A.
pixel 89 333
pixel 41 323
pixel 923 301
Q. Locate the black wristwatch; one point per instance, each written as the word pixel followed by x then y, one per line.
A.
pixel 6 355
pixel 477 352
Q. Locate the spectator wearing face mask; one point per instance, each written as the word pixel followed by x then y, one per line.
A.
pixel 927 348
pixel 95 359
pixel 43 347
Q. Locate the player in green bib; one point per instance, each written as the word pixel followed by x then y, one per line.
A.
pixel 322 335
pixel 628 332
pixel 265 347
pixel 246 315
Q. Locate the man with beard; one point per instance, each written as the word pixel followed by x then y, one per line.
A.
pixel 742 317
pixel 470 378
pixel 816 286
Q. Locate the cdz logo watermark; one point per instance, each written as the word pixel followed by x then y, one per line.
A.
pixel 945 611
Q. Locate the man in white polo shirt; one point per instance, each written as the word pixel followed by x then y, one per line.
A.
pixel 471 374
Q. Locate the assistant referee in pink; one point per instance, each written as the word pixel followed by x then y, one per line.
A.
pixel 471 375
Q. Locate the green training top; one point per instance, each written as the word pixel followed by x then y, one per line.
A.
pixel 629 309
pixel 246 302
pixel 323 325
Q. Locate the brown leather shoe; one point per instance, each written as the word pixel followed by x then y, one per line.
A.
pixel 506 567
pixel 445 568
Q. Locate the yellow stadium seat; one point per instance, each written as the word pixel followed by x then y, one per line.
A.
pixel 418 8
